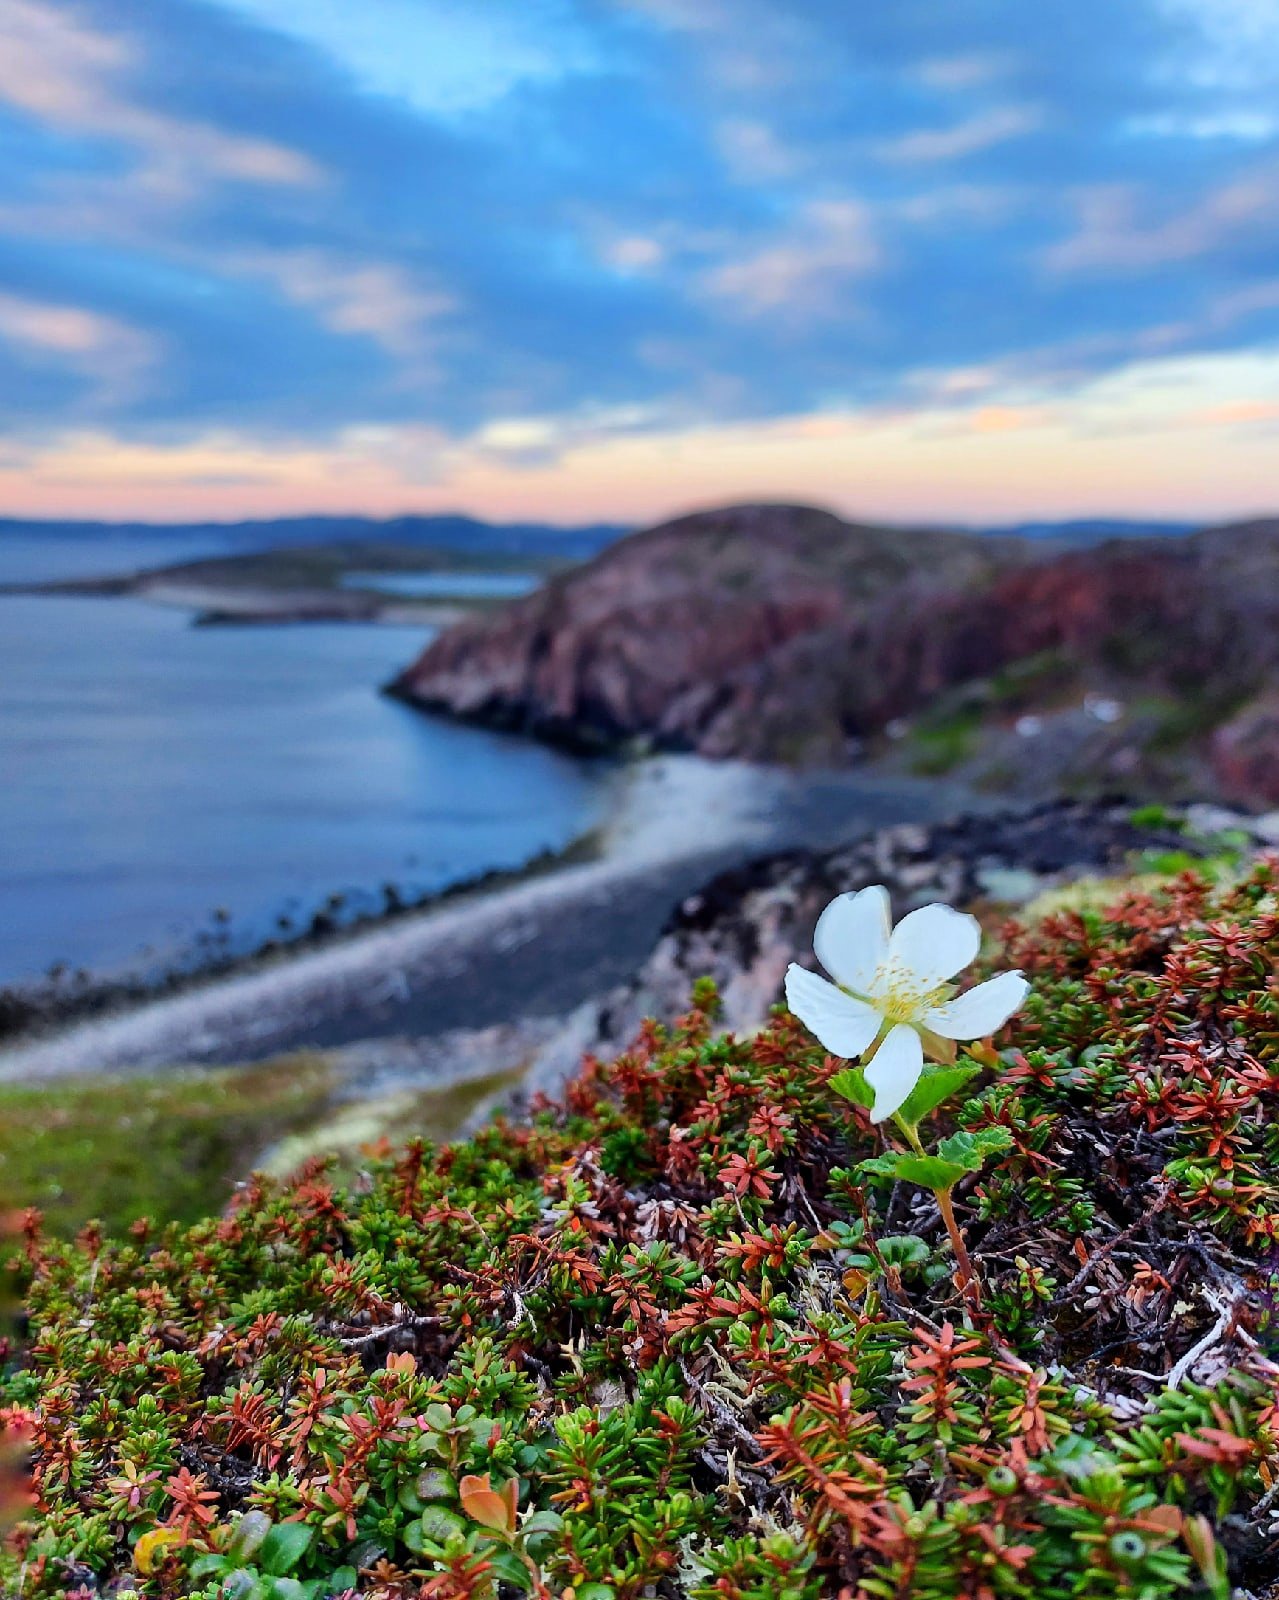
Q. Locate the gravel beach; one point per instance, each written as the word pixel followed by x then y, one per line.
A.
pixel 537 947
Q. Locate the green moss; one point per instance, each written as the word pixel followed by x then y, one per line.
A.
pixel 1031 678
pixel 1188 719
pixel 940 742
pixel 168 1147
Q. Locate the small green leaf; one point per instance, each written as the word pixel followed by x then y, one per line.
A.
pixel 242 1585
pixel 851 1083
pixel 204 1566
pixel 409 1498
pixel 904 1250
pixel 438 1524
pixel 284 1547
pixel 936 1085
pixel 252 1528
pixel 542 1522
pixel 435 1484
pixel 970 1150
pixel 287 1589
pixel 340 1581
pixel 510 1569
pixel 929 1171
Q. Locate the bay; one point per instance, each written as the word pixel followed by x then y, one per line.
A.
pixel 171 793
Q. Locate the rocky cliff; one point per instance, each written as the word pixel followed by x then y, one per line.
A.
pixel 785 633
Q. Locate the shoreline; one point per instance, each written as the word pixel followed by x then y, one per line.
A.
pixel 214 605
pixel 488 954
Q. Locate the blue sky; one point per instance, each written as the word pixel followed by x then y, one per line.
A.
pixel 604 257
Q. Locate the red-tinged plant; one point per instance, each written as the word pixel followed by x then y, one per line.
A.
pixel 194 1504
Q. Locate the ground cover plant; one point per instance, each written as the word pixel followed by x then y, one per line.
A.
pixel 165 1146
pixel 691 1333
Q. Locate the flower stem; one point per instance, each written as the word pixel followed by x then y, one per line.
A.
pixel 969 1283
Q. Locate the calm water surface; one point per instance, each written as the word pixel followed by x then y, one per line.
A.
pixel 156 773
pixel 445 585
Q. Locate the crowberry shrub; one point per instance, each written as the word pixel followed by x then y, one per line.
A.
pixel 689 1334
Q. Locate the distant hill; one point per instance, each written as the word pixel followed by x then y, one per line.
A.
pixel 783 633
pixel 446 531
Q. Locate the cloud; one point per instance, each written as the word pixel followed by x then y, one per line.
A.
pixel 58 69
pixel 976 133
pixel 962 71
pixel 113 357
pixel 808 271
pixel 633 252
pixel 754 152
pixel 1185 438
pixel 313 224
pixel 1248 127
pixel 377 300
pixel 1113 236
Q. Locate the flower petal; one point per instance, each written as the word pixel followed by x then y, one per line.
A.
pixel 981 1010
pixel 934 943
pixel 894 1070
pixel 844 1025
pixel 851 937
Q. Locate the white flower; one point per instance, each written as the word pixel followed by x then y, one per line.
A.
pixel 890 989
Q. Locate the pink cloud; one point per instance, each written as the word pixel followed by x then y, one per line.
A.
pixel 1112 236
pixel 375 299
pixel 965 138
pixel 805 272
pixel 111 354
pixel 56 68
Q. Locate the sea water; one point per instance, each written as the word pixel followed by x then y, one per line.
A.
pixel 171 793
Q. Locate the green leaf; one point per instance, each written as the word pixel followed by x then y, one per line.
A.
pixel 510 1569
pixel 955 1158
pixel 284 1547
pixel 414 1537
pixel 542 1522
pixel 437 1524
pixel 409 1498
pixel 204 1566
pixel 851 1083
pixel 970 1150
pixel 242 1585
pixel 904 1250
pixel 252 1528
pixel 288 1589
pixel 340 1581
pixel 936 1085
pixel 928 1171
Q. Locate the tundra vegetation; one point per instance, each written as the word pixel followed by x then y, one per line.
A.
pixel 698 1330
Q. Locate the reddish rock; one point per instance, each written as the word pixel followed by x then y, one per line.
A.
pixel 1245 753
pixel 782 633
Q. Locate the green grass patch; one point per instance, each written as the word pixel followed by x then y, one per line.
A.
pixel 168 1147
pixel 941 742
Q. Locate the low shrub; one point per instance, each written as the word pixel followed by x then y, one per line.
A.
pixel 679 1335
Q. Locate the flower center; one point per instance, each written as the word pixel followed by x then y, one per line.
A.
pixel 899 994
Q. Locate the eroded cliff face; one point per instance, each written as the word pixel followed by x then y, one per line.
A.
pixel 783 633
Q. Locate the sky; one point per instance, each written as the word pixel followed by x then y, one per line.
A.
pixel 946 260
